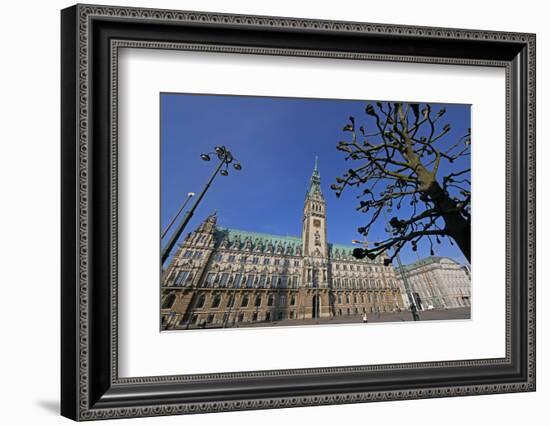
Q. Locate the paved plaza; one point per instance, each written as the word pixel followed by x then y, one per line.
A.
pixel 432 315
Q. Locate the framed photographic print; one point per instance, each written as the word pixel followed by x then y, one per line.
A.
pixel 263 212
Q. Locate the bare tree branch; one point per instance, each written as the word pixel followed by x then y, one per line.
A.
pixel 402 152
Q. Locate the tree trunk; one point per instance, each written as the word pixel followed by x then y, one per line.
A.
pixel 456 226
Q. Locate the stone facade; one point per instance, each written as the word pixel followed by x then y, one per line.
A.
pixel 439 283
pixel 226 278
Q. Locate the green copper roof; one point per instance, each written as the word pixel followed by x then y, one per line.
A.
pixel 341 247
pixel 253 236
pixel 315 181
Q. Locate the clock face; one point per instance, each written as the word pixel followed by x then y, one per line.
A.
pixel 316 223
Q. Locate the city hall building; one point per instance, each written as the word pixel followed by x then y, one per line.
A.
pixel 228 278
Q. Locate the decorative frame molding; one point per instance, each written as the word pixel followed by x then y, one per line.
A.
pixel 91 37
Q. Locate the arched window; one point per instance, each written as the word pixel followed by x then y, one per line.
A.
pixel 258 301
pixel 270 300
pixel 244 301
pixel 168 301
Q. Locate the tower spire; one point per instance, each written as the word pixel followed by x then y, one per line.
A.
pixel 315 181
pixel 314 228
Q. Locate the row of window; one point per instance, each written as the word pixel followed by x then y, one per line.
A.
pixel 372 309
pixel 364 268
pixel 238 280
pixel 201 239
pixel 240 317
pixel 216 301
pixel 282 300
pixel 372 298
pixel 359 283
pixel 245 301
pixel 255 260
pixel 192 254
pixel 317 207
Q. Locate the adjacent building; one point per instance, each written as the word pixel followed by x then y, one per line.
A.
pixel 439 283
pixel 226 277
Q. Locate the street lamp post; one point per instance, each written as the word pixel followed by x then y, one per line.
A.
pixel 408 289
pixel 410 295
pixel 171 223
pixel 226 158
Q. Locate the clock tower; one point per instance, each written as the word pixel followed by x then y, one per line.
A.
pixel 314 226
pixel 315 249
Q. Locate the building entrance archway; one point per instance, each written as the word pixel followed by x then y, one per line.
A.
pixel 315 306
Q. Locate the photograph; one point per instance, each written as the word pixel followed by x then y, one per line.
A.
pixel 283 211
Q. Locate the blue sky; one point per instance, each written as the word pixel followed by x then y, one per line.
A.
pixel 276 140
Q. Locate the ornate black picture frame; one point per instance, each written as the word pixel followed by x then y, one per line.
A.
pixel 91 387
